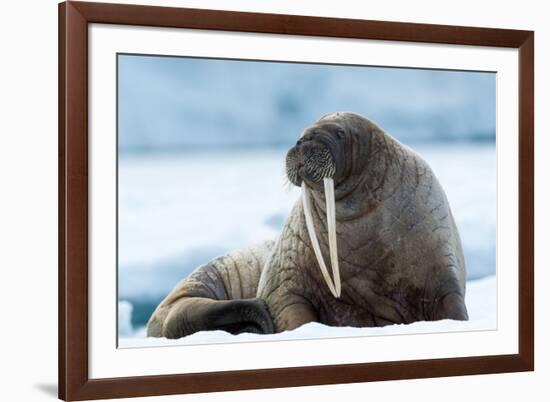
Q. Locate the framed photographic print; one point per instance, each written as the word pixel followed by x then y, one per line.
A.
pixel 259 200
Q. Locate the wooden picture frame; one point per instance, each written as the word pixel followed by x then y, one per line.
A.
pixel 74 381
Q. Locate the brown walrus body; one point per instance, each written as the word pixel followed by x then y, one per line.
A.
pixel 217 295
pixel 398 249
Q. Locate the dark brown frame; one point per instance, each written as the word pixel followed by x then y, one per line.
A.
pixel 74 17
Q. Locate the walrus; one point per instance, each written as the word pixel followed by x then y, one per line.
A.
pixel 372 210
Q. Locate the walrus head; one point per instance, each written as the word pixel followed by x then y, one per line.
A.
pixel 318 154
pixel 318 162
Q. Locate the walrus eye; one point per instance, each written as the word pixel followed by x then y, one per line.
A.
pixel 340 134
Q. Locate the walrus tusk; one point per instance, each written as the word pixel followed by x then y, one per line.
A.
pixel 331 221
pixel 334 287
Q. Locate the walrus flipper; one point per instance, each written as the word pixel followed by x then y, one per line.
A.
pixel 195 314
pixel 452 307
pixel 219 295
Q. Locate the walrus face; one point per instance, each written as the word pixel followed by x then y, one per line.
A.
pixel 318 154
pixel 318 157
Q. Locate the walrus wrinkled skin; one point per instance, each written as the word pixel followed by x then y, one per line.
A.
pixel 399 250
pixel 217 295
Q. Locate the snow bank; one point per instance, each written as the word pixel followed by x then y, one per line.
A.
pixel 480 300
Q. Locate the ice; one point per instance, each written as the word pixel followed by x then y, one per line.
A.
pixel 480 301
pixel 125 318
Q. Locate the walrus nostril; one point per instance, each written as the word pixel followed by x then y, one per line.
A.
pixel 308 136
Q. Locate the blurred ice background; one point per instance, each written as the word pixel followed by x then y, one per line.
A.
pixel 202 145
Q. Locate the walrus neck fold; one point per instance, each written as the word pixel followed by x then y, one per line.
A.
pixel 334 286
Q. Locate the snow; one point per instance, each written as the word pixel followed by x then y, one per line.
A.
pixel 480 301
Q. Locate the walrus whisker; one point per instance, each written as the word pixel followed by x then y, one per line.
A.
pixel 315 242
pixel 287 184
